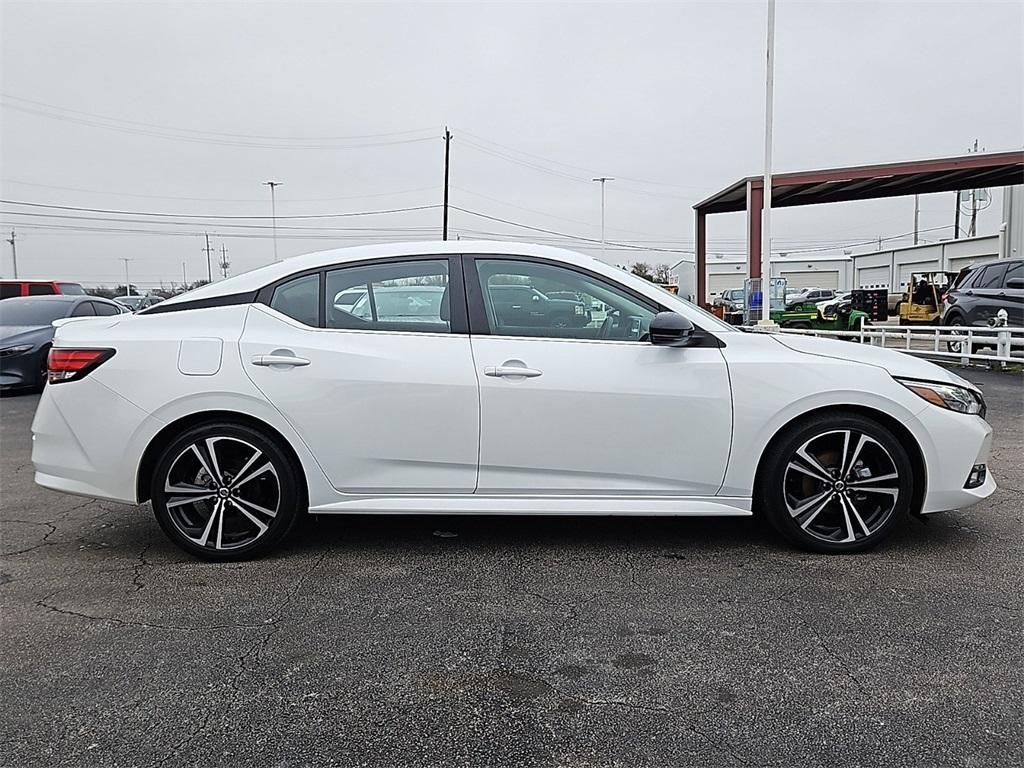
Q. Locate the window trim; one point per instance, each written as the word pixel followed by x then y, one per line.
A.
pixel 458 322
pixel 479 325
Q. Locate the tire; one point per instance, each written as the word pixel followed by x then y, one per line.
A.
pixel 954 346
pixel 44 355
pixel 238 496
pixel 835 511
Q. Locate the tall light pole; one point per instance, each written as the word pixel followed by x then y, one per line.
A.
pixel 273 211
pixel 602 180
pixel 127 282
pixel 766 219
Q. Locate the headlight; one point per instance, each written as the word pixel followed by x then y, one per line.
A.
pixel 949 396
pixel 10 351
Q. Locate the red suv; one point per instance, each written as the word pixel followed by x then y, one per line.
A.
pixel 11 288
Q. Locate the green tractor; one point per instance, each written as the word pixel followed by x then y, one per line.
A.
pixel 835 315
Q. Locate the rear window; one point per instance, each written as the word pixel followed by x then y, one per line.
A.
pixel 71 289
pixel 29 312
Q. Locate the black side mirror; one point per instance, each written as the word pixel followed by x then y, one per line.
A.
pixel 669 329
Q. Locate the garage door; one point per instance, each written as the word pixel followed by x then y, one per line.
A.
pixel 906 270
pixel 873 277
pixel 955 265
pixel 724 282
pixel 815 279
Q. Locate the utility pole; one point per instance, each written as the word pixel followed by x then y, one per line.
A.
pixel 956 217
pixel 209 264
pixel 224 263
pixel 766 219
pixel 917 215
pixel 184 277
pixel 273 211
pixel 14 252
pixel 127 282
pixel 447 152
pixel 602 180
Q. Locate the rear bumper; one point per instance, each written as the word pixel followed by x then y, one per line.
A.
pixel 85 441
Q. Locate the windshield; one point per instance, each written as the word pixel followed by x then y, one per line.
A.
pixel 32 311
pixel 131 301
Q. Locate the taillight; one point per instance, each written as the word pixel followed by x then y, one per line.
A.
pixel 72 364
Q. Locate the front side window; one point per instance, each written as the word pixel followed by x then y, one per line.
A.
pixel 102 308
pixel 84 310
pixel 525 298
pixel 410 296
pixel 1014 271
pixel 299 299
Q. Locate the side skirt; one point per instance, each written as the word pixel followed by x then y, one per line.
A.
pixel 690 506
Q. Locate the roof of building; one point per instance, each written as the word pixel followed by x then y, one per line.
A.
pixel 864 182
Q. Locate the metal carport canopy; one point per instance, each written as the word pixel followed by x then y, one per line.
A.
pixel 836 185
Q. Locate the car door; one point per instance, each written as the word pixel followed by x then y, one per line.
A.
pixel 592 409
pixel 1011 296
pixel 986 300
pixel 385 407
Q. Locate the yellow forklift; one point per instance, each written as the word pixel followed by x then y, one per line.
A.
pixel 922 303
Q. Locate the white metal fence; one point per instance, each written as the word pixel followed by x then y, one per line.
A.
pixel 964 344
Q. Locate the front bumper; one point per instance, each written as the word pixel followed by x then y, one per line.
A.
pixel 19 371
pixel 956 443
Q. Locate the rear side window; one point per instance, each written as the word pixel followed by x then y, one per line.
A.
pixel 83 310
pixel 299 299
pixel 40 289
pixel 9 291
pixel 992 277
pixel 102 308
pixel 409 296
pixel 1014 271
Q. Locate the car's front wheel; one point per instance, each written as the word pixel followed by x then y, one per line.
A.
pixel 836 484
pixel 224 491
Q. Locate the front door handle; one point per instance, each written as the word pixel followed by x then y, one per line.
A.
pixel 268 360
pixel 511 370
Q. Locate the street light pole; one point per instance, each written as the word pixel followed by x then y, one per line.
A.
pixel 127 282
pixel 273 211
pixel 602 180
pixel 766 219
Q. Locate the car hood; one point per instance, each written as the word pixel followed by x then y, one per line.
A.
pixel 23 334
pixel 896 363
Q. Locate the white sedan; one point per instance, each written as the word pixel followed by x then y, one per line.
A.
pixel 239 406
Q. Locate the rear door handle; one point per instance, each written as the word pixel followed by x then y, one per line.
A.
pixel 511 370
pixel 268 360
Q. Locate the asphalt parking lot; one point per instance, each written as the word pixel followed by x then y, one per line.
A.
pixel 515 641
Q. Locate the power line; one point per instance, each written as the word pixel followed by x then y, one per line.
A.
pixel 205 136
pixel 218 216
pixel 217 199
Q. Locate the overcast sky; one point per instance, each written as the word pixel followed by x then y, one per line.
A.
pixel 166 108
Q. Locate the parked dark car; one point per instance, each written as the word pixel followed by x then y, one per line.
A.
pixel 10 289
pixel 523 306
pixel 981 291
pixel 136 301
pixel 26 333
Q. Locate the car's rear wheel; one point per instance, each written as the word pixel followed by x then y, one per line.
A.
pixel 224 491
pixel 955 346
pixel 836 484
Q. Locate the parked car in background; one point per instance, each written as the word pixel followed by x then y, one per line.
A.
pixel 401 304
pixel 135 301
pixel 26 332
pixel 981 291
pixel 10 289
pixel 239 406
pixel 523 305
pixel 808 295
pixel 733 299
pixel 826 305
